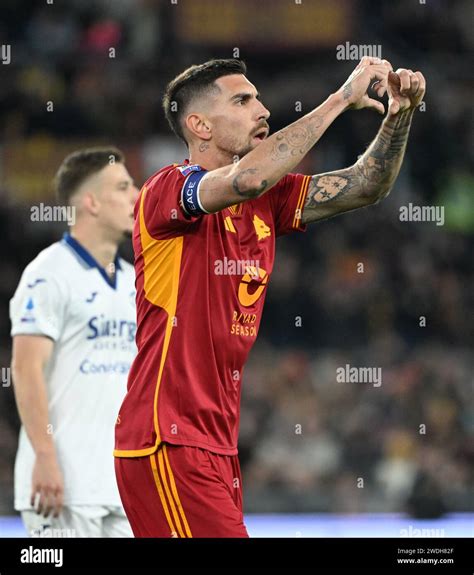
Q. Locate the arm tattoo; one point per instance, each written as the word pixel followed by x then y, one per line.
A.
pixel 347 91
pixel 237 184
pixel 296 141
pixel 367 181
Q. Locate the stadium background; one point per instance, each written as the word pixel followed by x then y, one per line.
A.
pixel 306 441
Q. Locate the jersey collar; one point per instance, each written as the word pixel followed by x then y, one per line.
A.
pixel 90 261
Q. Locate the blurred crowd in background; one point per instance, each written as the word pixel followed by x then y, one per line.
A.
pixel 307 441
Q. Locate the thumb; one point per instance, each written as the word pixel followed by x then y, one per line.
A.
pixel 376 105
pixel 394 106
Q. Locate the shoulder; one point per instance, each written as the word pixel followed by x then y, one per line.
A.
pixel 47 276
pixel 50 261
pixel 167 174
pixel 174 174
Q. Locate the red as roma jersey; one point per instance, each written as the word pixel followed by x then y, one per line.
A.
pixel 201 282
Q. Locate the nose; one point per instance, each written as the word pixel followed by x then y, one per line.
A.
pixel 263 113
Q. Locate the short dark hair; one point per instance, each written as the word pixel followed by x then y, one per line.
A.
pixel 195 81
pixel 81 164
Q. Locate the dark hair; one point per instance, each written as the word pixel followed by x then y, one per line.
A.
pixel 79 165
pixel 195 81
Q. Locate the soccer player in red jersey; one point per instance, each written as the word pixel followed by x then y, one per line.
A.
pixel 204 243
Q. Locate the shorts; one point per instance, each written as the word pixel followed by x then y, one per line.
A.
pixel 79 521
pixel 182 491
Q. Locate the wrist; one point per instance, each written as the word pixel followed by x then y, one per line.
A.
pixel 338 101
pixel 46 452
pixel 407 112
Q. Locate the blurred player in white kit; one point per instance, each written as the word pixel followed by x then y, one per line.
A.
pixel 73 329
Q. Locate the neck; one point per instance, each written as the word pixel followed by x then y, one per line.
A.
pixel 101 248
pixel 207 156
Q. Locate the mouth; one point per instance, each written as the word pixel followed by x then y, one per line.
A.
pixel 261 134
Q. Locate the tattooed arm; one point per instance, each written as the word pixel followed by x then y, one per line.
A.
pixel 367 181
pixel 262 167
pixel 372 176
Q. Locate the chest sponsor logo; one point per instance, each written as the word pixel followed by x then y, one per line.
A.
pixel 244 324
pixel 252 285
pixel 109 333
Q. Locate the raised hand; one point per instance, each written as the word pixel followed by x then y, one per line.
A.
pixel 406 90
pixel 368 72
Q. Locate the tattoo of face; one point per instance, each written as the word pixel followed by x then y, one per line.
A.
pixel 326 188
pixel 237 184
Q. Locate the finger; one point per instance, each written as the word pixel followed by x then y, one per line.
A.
pixel 380 74
pixel 376 105
pixel 34 494
pixel 414 84
pixel 394 79
pixel 394 106
pixel 369 60
pixel 47 502
pixel 379 88
pixel 59 502
pixel 387 63
pixel 378 71
pixel 40 501
pixel 422 80
pixel 404 76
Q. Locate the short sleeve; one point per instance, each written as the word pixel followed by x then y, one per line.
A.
pixel 38 306
pixel 170 203
pixel 287 199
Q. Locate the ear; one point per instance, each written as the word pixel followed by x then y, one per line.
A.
pixel 91 203
pixel 199 126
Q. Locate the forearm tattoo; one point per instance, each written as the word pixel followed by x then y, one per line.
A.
pixel 297 140
pixel 347 91
pixel 368 180
pixel 237 184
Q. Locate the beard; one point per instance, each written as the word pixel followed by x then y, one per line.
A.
pixel 245 150
pixel 233 147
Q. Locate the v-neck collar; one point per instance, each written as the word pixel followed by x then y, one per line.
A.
pixel 90 261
